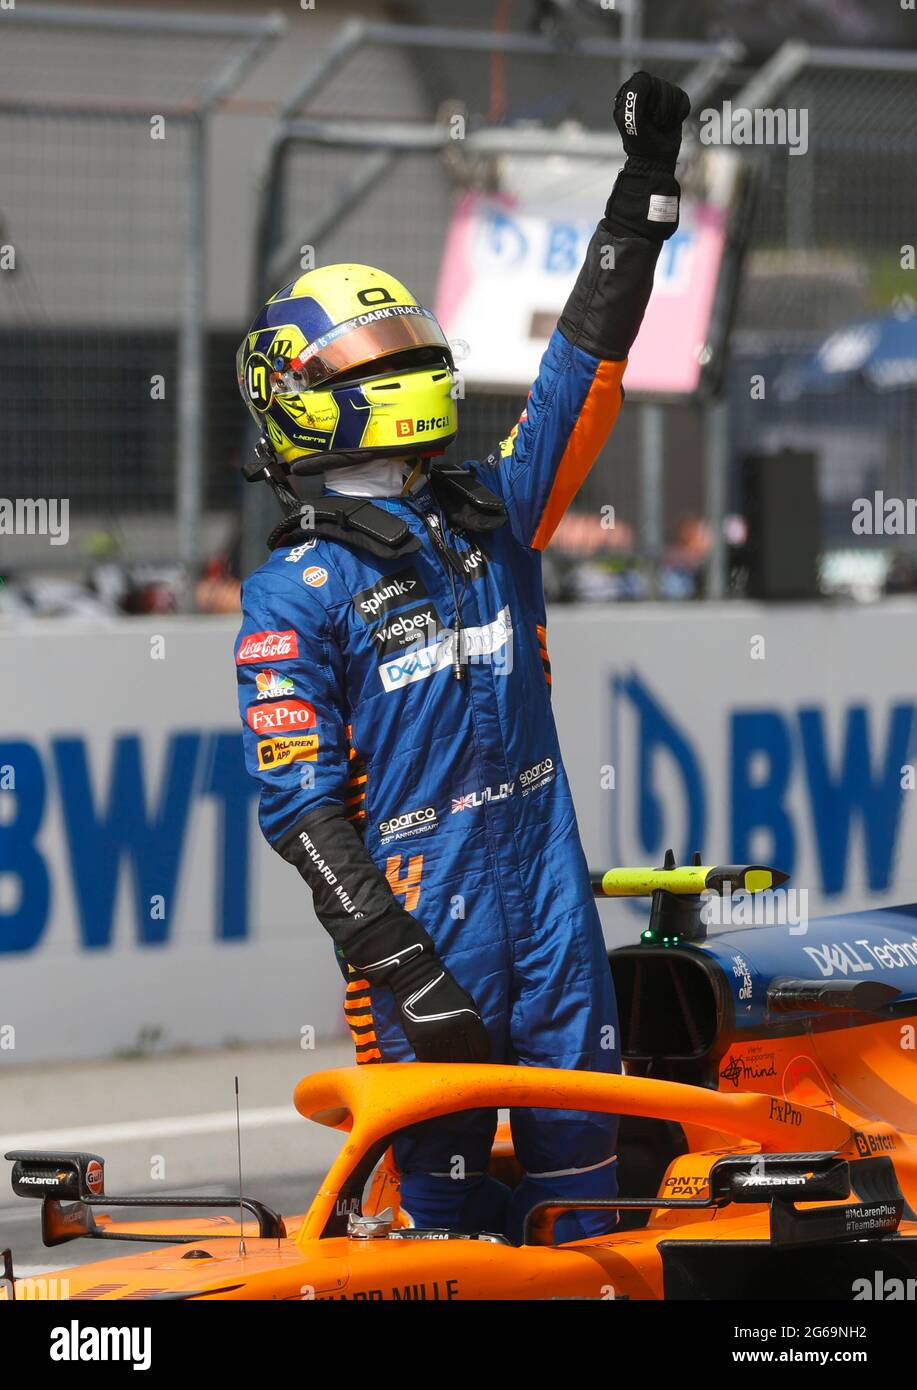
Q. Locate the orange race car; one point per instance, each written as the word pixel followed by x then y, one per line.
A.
pixel 768 1141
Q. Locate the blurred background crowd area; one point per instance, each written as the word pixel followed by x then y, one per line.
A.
pixel 162 170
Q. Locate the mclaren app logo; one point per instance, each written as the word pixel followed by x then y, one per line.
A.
pixel 278 752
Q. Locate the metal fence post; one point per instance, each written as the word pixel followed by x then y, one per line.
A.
pixel 716 475
pixel 191 347
pixel 652 485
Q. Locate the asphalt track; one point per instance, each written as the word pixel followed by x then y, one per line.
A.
pixel 165 1124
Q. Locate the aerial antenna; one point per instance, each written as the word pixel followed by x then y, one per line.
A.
pixel 242 1250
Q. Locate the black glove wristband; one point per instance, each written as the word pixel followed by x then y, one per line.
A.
pixel 644 201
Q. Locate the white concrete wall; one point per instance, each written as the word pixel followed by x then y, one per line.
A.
pixel 830 706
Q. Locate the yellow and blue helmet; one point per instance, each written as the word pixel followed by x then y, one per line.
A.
pixel 345 362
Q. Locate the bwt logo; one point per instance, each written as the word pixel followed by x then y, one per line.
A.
pixel 786 779
pixel 123 822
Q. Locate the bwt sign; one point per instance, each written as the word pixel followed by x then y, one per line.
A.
pixel 808 788
pixel 126 820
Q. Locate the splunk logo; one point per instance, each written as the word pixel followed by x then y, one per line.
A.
pixel 73 826
pixel 812 782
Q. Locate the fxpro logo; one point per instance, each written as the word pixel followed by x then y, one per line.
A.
pixel 813 789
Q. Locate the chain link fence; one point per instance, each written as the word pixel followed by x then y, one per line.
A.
pixel 823 246
pixel 375 178
pixel 105 381
pixel 825 251
pixel 103 124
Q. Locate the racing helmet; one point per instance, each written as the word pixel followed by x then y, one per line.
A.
pixel 344 365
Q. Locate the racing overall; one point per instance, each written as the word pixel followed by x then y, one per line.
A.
pixel 396 710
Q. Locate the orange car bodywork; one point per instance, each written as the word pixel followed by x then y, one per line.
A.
pixel 850 1092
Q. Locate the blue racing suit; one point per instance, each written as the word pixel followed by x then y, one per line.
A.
pixel 384 776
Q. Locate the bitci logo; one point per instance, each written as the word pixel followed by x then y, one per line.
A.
pixel 404 428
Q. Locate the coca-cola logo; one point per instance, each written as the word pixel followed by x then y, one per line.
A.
pixel 268 646
pixel 278 717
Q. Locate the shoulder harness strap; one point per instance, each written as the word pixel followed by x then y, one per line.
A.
pixel 350 519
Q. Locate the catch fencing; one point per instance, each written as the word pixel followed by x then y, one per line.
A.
pixel 104 117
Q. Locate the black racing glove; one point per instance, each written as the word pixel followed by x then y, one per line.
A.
pixel 377 937
pixel 649 113
pixel 440 1020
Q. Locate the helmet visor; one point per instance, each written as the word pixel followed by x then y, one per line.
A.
pixel 377 333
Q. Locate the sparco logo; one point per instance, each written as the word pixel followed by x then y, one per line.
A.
pixel 786 1113
pixel 388 593
pixel 535 774
pixel 409 823
pixel 268 646
pixel 630 113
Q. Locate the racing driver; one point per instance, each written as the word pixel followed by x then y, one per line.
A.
pixel 394 685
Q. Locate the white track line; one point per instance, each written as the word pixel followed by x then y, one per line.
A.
pixel 168 1127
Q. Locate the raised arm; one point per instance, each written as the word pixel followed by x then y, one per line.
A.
pixel 574 402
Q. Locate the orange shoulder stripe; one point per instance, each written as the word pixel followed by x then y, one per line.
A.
pixel 595 422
